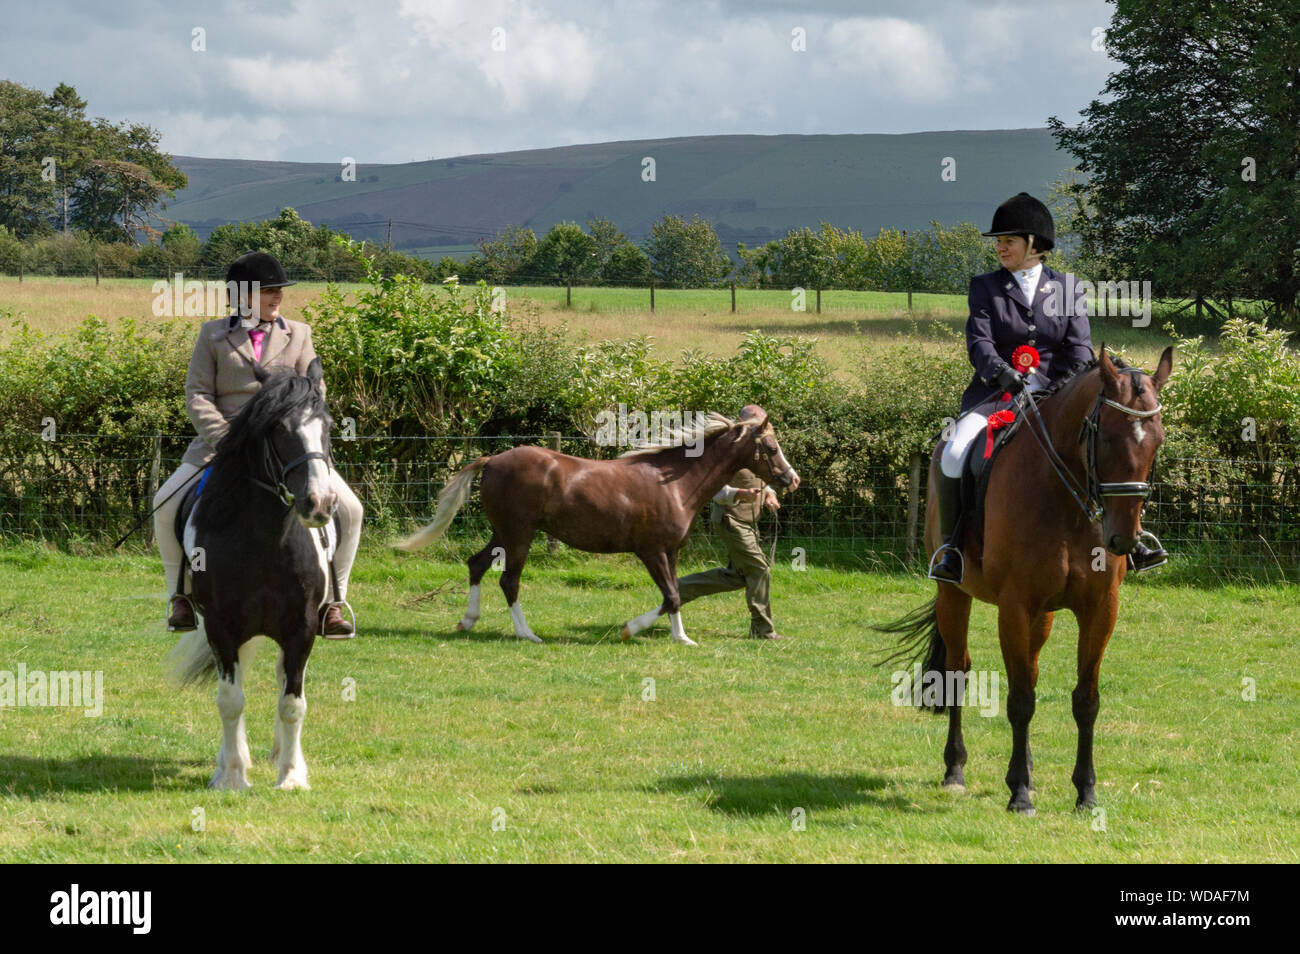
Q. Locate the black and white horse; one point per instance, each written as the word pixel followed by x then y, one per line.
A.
pixel 259 563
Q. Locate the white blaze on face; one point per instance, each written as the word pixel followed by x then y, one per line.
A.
pixel 311 430
pixel 1138 432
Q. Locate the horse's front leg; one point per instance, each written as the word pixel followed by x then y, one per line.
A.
pixel 1096 623
pixel 1014 634
pixel 663 570
pixel 233 759
pixel 291 767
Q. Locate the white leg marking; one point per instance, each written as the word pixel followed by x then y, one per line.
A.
pixel 471 611
pixel 521 625
pixel 634 626
pixel 233 761
pixel 291 767
pixel 276 736
pixel 679 631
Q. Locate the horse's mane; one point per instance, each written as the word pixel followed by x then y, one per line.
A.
pixel 1077 372
pixel 281 396
pixel 712 423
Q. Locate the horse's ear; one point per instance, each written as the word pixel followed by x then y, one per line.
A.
pixel 1109 376
pixel 260 373
pixel 755 414
pixel 1162 370
pixel 314 372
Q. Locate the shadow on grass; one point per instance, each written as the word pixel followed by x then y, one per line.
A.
pixel 25 776
pixel 763 794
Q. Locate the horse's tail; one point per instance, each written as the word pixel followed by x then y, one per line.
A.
pixel 450 501
pixel 191 660
pixel 919 642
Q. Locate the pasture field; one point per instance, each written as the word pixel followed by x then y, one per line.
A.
pixel 560 746
pixel 683 318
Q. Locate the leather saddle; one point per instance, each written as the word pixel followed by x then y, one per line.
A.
pixel 975 474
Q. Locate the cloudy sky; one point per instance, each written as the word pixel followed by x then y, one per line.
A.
pixel 316 80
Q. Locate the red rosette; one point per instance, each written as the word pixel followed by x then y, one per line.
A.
pixel 1025 359
pixel 1000 419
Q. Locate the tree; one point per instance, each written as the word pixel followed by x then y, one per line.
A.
pixel 26 201
pixel 68 113
pixel 627 265
pixel 1193 158
pixel 566 253
pixel 608 238
pixel 686 254
pixel 506 257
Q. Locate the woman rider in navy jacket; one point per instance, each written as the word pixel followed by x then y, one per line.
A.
pixel 1021 303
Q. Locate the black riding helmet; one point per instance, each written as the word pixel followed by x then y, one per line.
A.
pixel 1022 214
pixel 260 267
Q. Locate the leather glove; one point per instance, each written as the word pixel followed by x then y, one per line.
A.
pixel 1010 381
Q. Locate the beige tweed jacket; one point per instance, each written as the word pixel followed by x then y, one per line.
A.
pixel 220 379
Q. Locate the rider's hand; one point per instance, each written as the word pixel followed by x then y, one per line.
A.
pixel 771 501
pixel 1010 381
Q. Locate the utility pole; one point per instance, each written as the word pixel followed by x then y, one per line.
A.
pixel 390 233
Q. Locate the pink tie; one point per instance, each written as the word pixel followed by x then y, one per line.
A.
pixel 256 336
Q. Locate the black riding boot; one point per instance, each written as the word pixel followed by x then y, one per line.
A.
pixel 946 564
pixel 1147 558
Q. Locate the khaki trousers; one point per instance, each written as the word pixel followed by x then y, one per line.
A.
pixel 747 568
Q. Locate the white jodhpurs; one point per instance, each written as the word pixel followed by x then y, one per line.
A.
pixel 968 427
pixel 350 514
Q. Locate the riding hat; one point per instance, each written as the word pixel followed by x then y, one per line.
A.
pixel 1022 214
pixel 260 267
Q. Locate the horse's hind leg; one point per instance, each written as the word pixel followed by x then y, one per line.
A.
pixel 233 759
pixel 1096 623
pixel 516 557
pixel 952 614
pixel 291 767
pixel 663 569
pixel 478 565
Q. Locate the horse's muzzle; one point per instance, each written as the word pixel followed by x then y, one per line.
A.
pixel 791 479
pixel 320 508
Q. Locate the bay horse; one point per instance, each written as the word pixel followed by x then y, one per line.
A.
pixel 259 564
pixel 643 502
pixel 1061 514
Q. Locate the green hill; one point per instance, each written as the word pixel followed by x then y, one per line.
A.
pixel 751 187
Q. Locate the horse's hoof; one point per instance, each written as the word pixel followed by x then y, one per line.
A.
pixel 957 788
pixel 228 782
pixel 1024 809
pixel 460 626
pixel 292 783
pixel 531 637
pixel 686 641
pixel 625 634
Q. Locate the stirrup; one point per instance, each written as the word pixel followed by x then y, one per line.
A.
pixel 343 605
pixel 1155 545
pixel 194 611
pixel 961 575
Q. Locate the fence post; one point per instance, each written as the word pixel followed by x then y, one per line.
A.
pixel 568 296
pixel 154 467
pixel 909 300
pixel 652 296
pixel 733 298
pixel 913 504
pixel 819 301
pixel 553 544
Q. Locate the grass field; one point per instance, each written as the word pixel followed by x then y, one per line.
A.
pixel 683 318
pixel 556 743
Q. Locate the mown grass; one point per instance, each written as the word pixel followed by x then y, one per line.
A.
pixel 450 730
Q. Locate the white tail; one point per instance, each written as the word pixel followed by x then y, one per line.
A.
pixel 450 501
pixel 190 660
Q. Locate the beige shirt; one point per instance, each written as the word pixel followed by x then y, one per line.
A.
pixel 220 379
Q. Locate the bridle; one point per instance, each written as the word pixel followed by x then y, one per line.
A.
pixel 273 469
pixel 1091 493
pixel 760 450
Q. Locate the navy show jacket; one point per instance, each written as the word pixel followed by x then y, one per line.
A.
pixel 1001 320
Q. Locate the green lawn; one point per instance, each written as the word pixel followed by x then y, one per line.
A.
pixel 450 731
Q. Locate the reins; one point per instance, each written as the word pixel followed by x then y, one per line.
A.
pixel 1091 493
pixel 271 463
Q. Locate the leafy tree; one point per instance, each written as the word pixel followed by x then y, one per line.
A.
pixel 627 265
pixel 566 253
pixel 26 202
pixel 1192 158
pixel 608 238
pixel 686 254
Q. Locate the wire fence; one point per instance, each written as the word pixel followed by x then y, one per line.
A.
pixel 1221 519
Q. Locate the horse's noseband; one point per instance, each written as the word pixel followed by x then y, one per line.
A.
pixel 273 465
pixel 1091 427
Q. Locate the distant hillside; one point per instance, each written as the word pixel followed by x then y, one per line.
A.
pixel 751 187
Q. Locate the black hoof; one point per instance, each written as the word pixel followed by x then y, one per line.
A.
pixel 1085 802
pixel 1022 807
